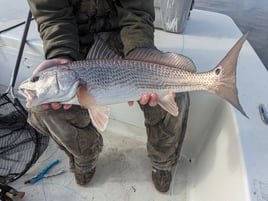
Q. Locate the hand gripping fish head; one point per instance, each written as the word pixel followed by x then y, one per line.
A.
pixel 57 83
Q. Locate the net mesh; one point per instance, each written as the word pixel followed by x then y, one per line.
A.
pixel 20 144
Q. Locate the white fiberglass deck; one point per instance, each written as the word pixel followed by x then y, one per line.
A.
pixel 224 157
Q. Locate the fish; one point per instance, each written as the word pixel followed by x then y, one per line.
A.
pixel 106 78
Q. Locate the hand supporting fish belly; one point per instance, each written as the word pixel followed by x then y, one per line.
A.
pixel 105 78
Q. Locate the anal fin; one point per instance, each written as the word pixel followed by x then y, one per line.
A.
pixel 99 116
pixel 168 103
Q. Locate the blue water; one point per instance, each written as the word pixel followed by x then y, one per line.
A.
pixel 249 15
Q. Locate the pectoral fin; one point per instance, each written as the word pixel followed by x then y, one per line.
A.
pixel 168 103
pixel 99 114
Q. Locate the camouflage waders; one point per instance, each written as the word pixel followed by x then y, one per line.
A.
pixel 72 131
pixel 166 132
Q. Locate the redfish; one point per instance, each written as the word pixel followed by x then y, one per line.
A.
pixel 106 78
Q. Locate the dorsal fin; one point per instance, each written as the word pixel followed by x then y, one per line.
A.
pixel 100 50
pixel 162 58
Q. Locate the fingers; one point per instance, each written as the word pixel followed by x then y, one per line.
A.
pixel 144 99
pixel 130 103
pixel 51 62
pixel 45 106
pixel 56 106
pixel 153 100
pixel 150 99
pixel 67 106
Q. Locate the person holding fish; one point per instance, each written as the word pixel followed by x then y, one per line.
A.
pixel 67 28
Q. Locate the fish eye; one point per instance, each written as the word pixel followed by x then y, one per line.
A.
pixel 35 78
pixel 218 71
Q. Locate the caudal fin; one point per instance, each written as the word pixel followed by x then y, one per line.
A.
pixel 226 70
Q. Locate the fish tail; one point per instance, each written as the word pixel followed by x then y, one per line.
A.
pixel 226 72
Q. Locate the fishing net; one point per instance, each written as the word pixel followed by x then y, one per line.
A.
pixel 20 144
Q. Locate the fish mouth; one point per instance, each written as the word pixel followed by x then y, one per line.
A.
pixel 30 96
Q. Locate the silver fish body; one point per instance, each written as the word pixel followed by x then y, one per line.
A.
pixel 105 78
pixel 114 81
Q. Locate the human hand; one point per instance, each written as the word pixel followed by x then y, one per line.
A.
pixel 151 99
pixel 47 64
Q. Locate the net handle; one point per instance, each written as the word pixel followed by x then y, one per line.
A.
pixel 19 56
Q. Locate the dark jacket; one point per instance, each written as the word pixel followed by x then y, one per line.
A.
pixel 67 26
